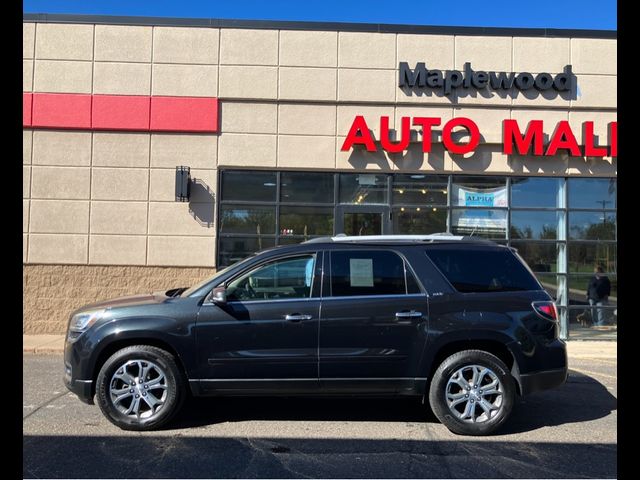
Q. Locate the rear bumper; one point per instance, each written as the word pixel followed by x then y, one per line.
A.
pixel 535 382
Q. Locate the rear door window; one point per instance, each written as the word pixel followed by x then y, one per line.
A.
pixel 483 270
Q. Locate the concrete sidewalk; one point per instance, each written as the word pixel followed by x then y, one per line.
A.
pixel 54 344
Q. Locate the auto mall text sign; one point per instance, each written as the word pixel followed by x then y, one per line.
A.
pixel 515 139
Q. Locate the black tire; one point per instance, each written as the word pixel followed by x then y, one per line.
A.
pixel 438 391
pixel 174 383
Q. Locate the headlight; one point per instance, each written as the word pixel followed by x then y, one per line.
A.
pixel 82 321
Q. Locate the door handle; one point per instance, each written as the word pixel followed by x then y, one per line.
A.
pixel 411 314
pixel 296 317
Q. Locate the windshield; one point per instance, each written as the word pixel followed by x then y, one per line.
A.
pixel 201 284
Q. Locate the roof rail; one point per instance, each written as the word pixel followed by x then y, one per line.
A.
pixel 434 237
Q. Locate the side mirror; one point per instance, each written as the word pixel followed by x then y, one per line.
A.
pixel 219 295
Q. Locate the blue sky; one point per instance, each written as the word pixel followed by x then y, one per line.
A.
pixel 583 14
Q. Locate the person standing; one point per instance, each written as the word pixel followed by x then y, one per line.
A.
pixel 598 292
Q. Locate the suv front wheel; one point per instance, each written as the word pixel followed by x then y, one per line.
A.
pixel 472 392
pixel 140 388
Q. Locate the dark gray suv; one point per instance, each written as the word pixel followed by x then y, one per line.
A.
pixel 459 320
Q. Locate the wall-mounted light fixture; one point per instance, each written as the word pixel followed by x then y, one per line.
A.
pixel 183 184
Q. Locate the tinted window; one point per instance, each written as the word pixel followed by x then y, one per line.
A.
pixel 420 189
pixel 366 273
pixel 306 187
pixel 535 192
pixel 361 188
pixel 281 279
pixel 592 193
pixel 483 270
pixel 247 219
pixel 248 186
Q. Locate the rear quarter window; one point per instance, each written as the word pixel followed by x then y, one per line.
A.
pixel 483 270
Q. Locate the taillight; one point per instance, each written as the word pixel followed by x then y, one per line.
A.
pixel 546 310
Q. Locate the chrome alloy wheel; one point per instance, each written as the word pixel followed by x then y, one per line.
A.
pixel 474 394
pixel 138 389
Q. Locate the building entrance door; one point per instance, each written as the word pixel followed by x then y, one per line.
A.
pixel 363 220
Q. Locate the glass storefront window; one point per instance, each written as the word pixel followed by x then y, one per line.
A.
pixel 592 193
pixel 584 257
pixel 232 249
pixel 306 221
pixel 241 186
pixel 596 225
pixel 247 219
pixel 420 189
pixel 479 192
pixel 535 192
pixel 542 225
pixel 419 220
pixel 305 187
pixel 363 188
pixel 479 222
pixel 550 283
pixel 541 257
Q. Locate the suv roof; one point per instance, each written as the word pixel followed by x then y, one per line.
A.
pixel 397 239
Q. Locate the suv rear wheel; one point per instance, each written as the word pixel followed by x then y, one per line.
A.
pixel 472 392
pixel 140 388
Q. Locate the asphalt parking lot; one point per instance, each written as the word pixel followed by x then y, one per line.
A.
pixel 569 432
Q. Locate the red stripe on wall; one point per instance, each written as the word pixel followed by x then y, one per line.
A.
pixel 60 110
pixel 174 114
pixel 27 100
pixel 120 112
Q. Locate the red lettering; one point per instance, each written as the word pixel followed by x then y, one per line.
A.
pixel 426 123
pixel 613 138
pixel 533 134
pixel 405 136
pixel 563 138
pixel 460 148
pixel 590 149
pixel 359 134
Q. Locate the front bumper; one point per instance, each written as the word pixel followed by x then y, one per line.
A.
pixel 82 388
pixel 535 382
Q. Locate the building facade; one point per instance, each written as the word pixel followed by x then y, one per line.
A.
pixel 296 130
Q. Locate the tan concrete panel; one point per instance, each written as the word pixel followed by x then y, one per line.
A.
pixel 600 91
pixel 359 159
pixel 308 49
pixel 185 80
pixel 415 160
pixel 185 45
pixel 122 78
pixel 548 98
pixel 129 218
pixel 549 117
pixel 171 149
pixel 594 55
pixel 307 119
pixel 182 251
pixel 484 159
pixel 26 181
pixel 366 85
pixel 435 50
pixel 162 185
pixel 592 166
pixel 535 54
pixel 61 147
pixel 600 121
pixel 249 117
pixel 27 142
pixel 529 164
pixel 28 39
pixel 307 83
pixel 112 149
pixel 248 82
pixel 123 43
pixel 58 41
pixel 247 150
pixel 489 121
pixel 484 53
pixel 119 184
pixel 371 114
pixel 27 75
pixel 49 248
pixel 25 215
pixel 445 114
pixel 178 218
pixel 485 96
pixel 301 151
pixel 117 250
pixel 62 76
pixel 25 247
pixel 59 216
pixel 71 183
pixel 203 193
pixel 366 50
pixel 248 47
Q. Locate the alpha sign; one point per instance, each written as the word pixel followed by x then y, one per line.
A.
pixel 421 77
pixel 514 140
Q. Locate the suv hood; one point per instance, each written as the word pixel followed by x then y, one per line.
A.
pixel 128 301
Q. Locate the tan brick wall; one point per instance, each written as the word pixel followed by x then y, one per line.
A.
pixel 52 292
